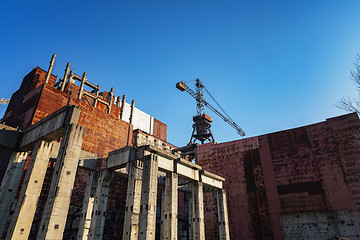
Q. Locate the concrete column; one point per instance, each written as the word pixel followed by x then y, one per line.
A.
pixel 189 202
pixel 50 68
pixel 110 100
pixel 122 107
pixel 133 198
pixel 83 80
pixel 87 207
pixel 71 77
pixel 169 220
pixel 198 226
pixel 65 76
pixel 222 214
pixel 100 205
pixel 147 222
pixel 30 191
pixel 57 205
pixel 132 111
pixel 97 95
pixel 10 185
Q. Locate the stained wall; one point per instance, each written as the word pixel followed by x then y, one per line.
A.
pixel 290 184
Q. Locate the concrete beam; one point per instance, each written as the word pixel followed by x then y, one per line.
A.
pixel 119 158
pixel 208 181
pixel 9 137
pixel 51 127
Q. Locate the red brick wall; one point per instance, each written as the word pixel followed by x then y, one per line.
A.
pixel 160 130
pixel 312 168
pixel 103 132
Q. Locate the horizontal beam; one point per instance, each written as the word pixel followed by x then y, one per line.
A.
pixel 9 137
pixel 51 127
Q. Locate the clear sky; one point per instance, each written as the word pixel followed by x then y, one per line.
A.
pixel 272 65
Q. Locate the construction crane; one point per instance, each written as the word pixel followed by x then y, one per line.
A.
pixel 202 122
pixel 4 101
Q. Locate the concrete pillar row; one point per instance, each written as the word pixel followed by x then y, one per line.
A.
pixel 222 214
pixel 133 198
pixel 169 214
pixel 87 207
pixel 100 204
pixel 197 211
pixel 10 185
pixel 53 221
pixel 30 192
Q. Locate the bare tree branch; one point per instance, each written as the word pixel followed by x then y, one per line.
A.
pixel 348 104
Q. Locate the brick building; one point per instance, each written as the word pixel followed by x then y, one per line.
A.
pixel 301 183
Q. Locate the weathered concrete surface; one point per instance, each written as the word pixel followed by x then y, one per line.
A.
pixel 119 158
pixel 319 225
pixel 54 217
pixel 100 204
pixel 197 211
pixel 169 216
pixel 51 127
pixel 224 233
pixel 10 185
pixel 30 191
pixel 133 200
pixel 9 137
pixel 147 222
pixel 87 207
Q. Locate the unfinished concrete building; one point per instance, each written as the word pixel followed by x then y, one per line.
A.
pixel 73 168
pixel 78 163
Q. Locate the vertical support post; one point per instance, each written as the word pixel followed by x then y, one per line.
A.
pixel 122 107
pixel 147 223
pixel 71 77
pixel 50 68
pixel 56 208
pixel 83 80
pixel 169 229
pixel 10 185
pixel 197 211
pixel 111 95
pixel 132 111
pixel 65 76
pixel 222 214
pixel 133 198
pixel 30 191
pixel 100 204
pixel 189 201
pixel 97 95
pixel 118 102
pixel 87 207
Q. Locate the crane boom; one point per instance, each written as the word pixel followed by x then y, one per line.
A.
pixel 199 98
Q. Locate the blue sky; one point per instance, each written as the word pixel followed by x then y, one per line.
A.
pixel 272 65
